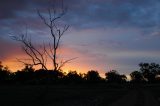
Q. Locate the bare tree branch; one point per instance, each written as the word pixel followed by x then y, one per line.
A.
pixel 35 55
pixel 40 57
pixel 64 62
pixel 56 33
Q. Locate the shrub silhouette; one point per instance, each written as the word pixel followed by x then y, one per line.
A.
pixel 25 75
pixel 114 77
pixel 136 77
pixel 149 71
pixel 4 74
pixel 92 76
pixel 73 77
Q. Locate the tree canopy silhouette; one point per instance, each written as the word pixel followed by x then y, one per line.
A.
pixel 114 77
pixel 74 77
pixel 4 73
pixel 149 71
pixel 93 76
pixel 137 77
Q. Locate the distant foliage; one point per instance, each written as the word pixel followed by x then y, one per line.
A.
pixel 92 76
pixel 114 77
pixel 4 74
pixel 137 77
pixel 25 75
pixel 148 73
pixel 74 77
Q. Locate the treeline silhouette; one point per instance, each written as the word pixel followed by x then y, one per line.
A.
pixel 148 73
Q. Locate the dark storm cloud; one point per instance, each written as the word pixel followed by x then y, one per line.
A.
pixel 82 14
pixel 16 14
pixel 91 13
pixel 8 7
pixel 133 13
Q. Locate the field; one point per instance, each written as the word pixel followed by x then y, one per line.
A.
pixel 78 95
pixel 60 95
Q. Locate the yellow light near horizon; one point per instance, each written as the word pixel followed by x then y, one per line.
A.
pixel 80 68
pixel 128 77
pixel 82 64
pixel 14 65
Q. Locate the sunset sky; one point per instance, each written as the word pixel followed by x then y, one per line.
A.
pixel 103 34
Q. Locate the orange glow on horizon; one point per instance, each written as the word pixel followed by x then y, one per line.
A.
pixel 82 64
pixel 14 66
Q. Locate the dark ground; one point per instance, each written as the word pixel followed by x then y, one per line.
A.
pixel 79 95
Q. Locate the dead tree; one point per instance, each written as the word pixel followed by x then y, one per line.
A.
pixel 36 56
pixel 56 32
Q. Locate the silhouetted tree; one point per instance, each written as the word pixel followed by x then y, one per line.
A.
pixel 36 56
pixel 114 77
pixel 73 77
pixel 55 76
pixel 26 75
pixel 48 76
pixel 136 77
pixel 40 56
pixel 56 32
pixel 149 71
pixel 41 76
pixel 4 73
pixel 93 76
